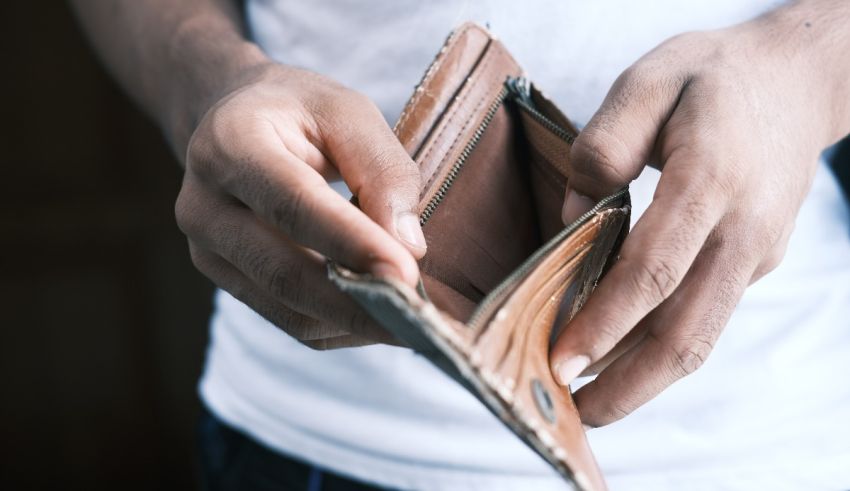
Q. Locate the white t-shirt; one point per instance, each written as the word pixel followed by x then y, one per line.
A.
pixel 770 409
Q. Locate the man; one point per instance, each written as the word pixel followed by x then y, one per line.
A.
pixel 735 113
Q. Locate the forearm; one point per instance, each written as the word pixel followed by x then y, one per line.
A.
pixel 174 58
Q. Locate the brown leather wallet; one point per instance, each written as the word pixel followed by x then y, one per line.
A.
pixel 501 268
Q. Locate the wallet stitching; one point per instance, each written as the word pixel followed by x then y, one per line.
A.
pixel 450 119
pixel 427 79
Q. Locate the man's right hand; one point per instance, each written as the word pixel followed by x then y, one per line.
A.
pixel 261 218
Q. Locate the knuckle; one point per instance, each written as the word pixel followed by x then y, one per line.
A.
pixel 199 152
pixel 763 239
pixel 388 175
pixel 651 78
pixel 212 140
pixel 598 155
pixel 602 411
pixel 284 280
pixel 612 411
pixel 689 354
pixel 200 258
pixel 183 213
pixel 605 334
pixel 296 325
pixel 291 210
pixel 698 212
pixel 772 260
pixel 191 211
pixel 216 270
pixel 316 344
pixel 360 322
pixel 656 277
pixel 770 264
pixel 717 180
pixel 722 178
pixel 636 78
pixel 777 235
pixel 321 336
pixel 323 344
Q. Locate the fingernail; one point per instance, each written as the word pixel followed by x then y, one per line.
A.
pixel 409 230
pixel 568 370
pixel 575 205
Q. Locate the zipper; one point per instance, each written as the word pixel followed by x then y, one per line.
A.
pixel 493 299
pixel 521 88
pixel 438 197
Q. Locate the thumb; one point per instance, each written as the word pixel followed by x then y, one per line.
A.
pixel 378 170
pixel 613 148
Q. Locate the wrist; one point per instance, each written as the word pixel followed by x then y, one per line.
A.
pixel 207 64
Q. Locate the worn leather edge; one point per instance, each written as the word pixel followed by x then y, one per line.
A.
pixel 420 324
pixel 442 80
pixel 463 117
pixel 453 348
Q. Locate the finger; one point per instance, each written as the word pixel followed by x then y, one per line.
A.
pixel 288 194
pixel 344 341
pixel 303 149
pixel 680 334
pixel 231 280
pixel 617 143
pixel 653 261
pixel 307 330
pixel 376 167
pixel 291 275
pixel 629 341
pixel 774 255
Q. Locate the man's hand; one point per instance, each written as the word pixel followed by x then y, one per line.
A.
pixel 261 139
pixel 261 218
pixel 735 119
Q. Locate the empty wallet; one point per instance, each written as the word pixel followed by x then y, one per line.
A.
pixel 501 270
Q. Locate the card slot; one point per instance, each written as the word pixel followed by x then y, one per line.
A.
pixel 553 150
pixel 486 225
pixel 548 188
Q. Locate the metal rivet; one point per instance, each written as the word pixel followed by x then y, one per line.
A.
pixel 543 400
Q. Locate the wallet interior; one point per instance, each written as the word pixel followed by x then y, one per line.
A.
pixel 500 201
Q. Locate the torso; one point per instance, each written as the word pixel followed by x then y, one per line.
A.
pixel 761 412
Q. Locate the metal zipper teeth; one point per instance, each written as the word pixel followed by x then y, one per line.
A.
pixel 520 87
pixel 438 197
pixel 493 298
pixel 546 122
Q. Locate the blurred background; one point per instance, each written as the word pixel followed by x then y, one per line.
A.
pixel 102 316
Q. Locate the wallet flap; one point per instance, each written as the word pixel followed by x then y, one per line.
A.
pixel 501 355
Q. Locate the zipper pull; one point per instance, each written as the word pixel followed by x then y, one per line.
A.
pixel 520 87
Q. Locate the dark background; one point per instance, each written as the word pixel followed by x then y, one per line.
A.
pixel 102 317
